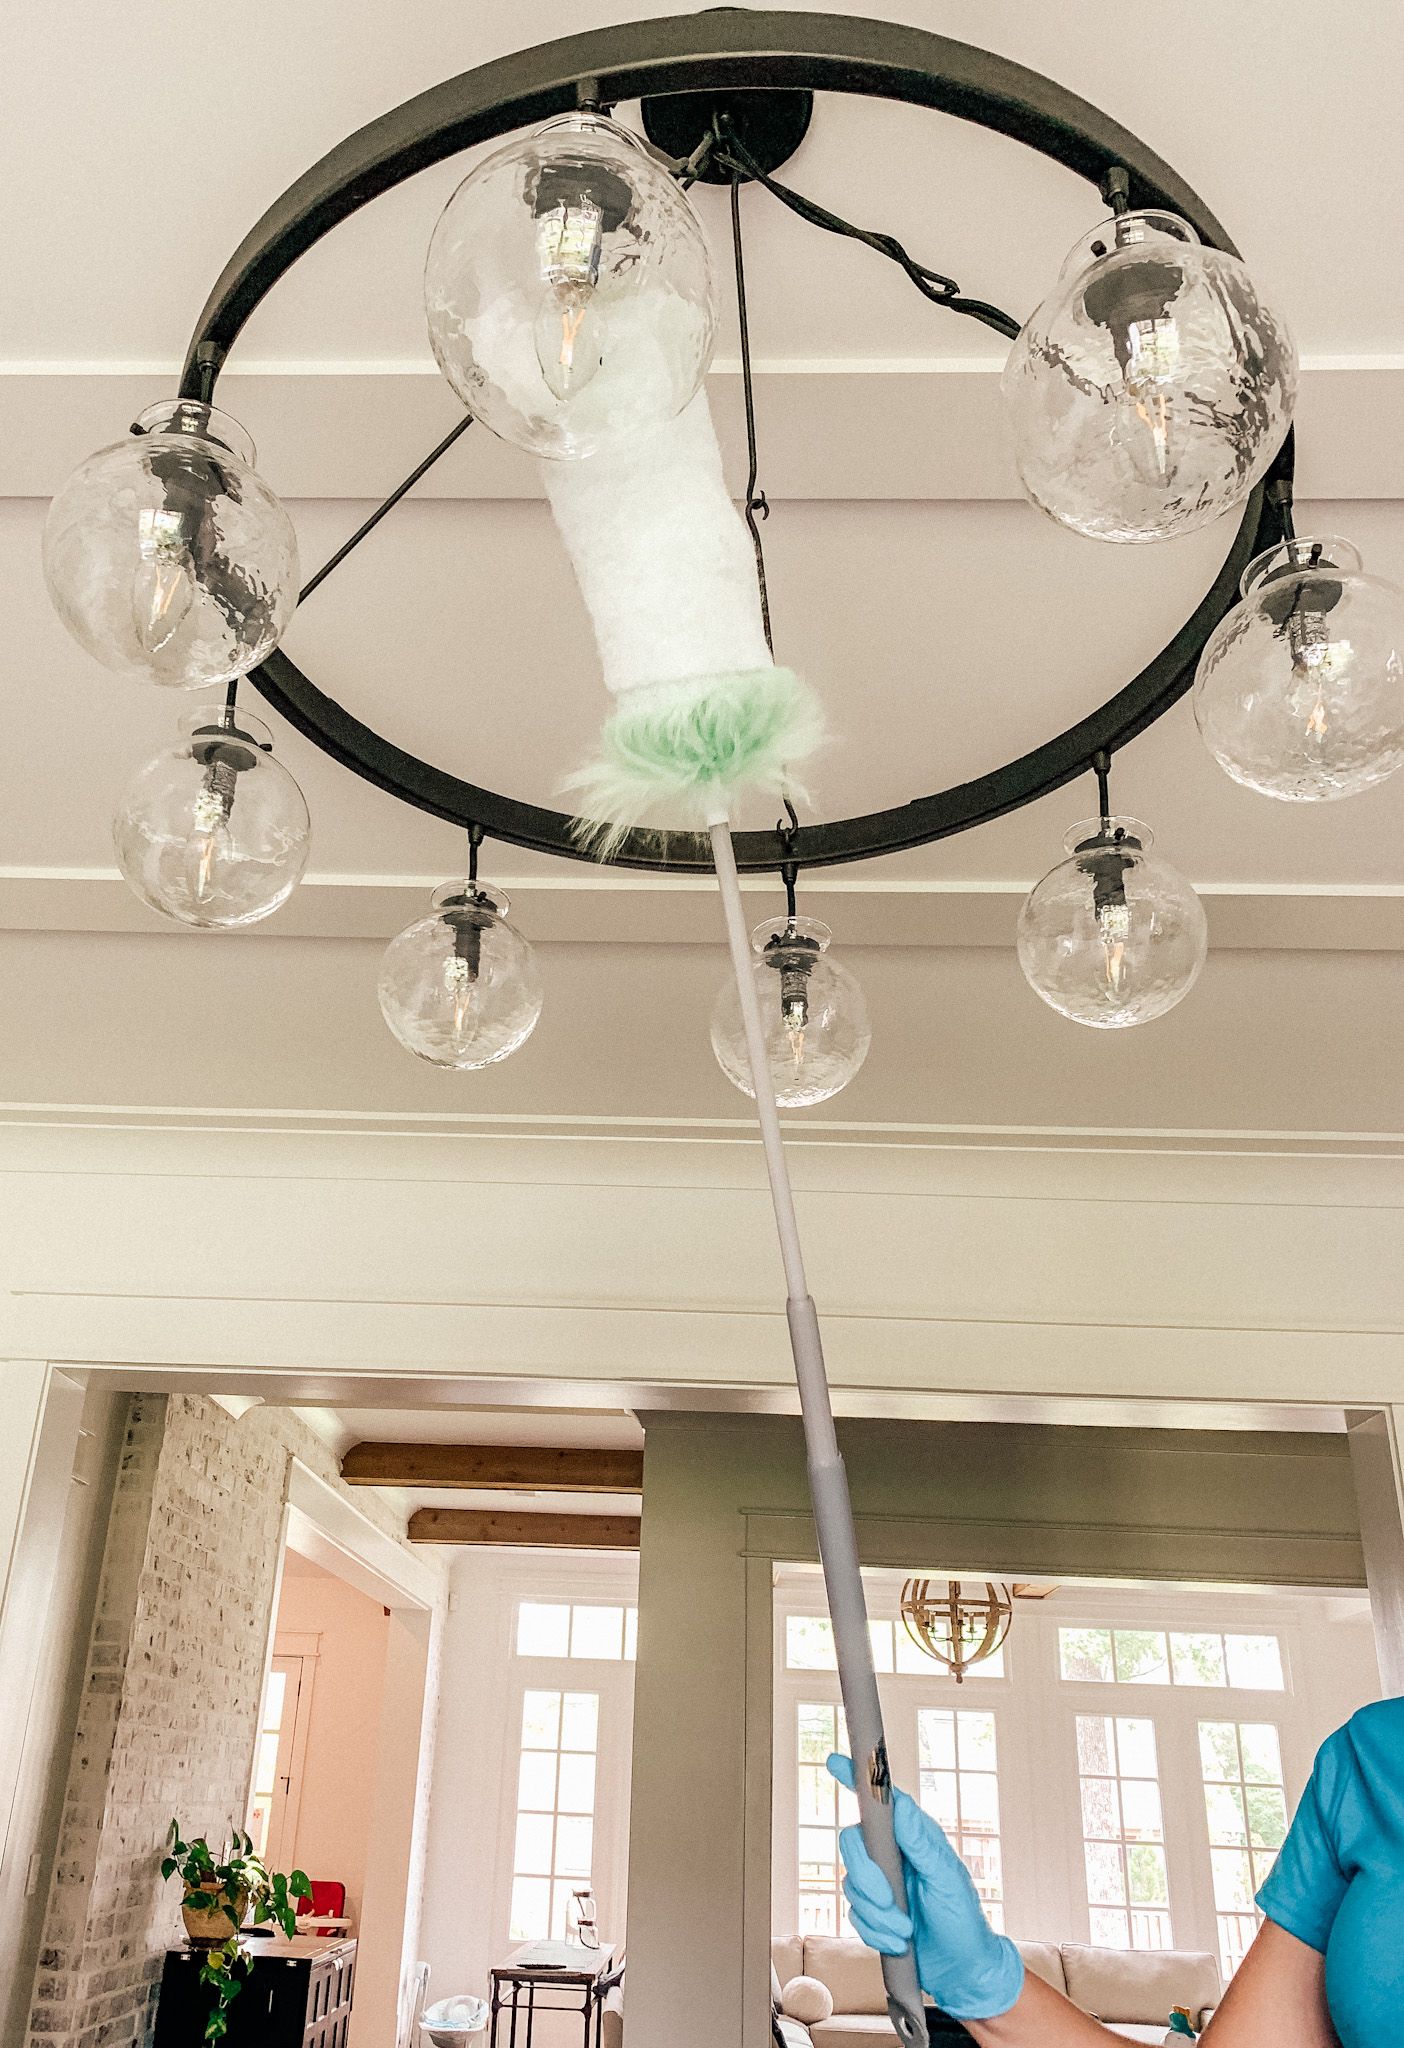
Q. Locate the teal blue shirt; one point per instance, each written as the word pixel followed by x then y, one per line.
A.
pixel 1338 1884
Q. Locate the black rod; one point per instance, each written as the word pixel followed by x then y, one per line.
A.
pixel 756 507
pixel 1101 768
pixel 369 525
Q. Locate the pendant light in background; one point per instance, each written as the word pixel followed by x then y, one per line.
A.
pixel 168 557
pixel 569 291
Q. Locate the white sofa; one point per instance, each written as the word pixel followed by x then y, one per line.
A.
pixel 1132 1992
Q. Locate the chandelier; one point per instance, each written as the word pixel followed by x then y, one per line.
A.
pixel 571 303
pixel 954 1627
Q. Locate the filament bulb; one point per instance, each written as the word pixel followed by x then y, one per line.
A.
pixel 163 585
pixel 569 331
pixel 1319 666
pixel 461 986
pixel 1114 925
pixel 211 848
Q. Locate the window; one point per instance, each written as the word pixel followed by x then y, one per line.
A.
pixel 824 1808
pixel 1246 1808
pixel 555 1810
pixel 809 1646
pixel 1128 1893
pixel 1143 1656
pixel 960 1788
pixel 557 1629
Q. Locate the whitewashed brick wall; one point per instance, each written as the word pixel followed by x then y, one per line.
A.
pixel 170 1701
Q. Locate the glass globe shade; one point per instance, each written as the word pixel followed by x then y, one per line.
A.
pixel 168 557
pixel 1152 388
pixel 569 290
pixel 214 832
pixel 1111 936
pixel 815 1019
pixel 1300 689
pixel 461 988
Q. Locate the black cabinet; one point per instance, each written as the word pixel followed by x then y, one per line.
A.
pixel 297 1994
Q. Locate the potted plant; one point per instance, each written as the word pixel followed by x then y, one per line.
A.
pixel 218 1895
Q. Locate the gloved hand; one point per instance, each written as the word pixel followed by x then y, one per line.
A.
pixel 971 1972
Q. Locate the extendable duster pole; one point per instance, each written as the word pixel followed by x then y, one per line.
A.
pixel 828 1485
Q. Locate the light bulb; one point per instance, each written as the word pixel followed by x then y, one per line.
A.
pixel 1300 688
pixel 461 988
pixel 168 557
pixel 570 328
pixel 1111 936
pixel 568 289
pixel 214 832
pixel 1152 388
pixel 815 1019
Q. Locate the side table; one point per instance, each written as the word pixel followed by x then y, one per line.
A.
pixel 518 1991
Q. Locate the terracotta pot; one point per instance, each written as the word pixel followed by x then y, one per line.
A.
pixel 206 1926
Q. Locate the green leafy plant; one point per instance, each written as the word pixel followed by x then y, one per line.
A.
pixel 229 1886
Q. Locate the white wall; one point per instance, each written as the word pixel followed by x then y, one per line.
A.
pixel 473 1791
pixel 1330 1668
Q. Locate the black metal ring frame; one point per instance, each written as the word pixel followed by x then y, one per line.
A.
pixel 723 49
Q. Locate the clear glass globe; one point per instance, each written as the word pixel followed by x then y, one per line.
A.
pixel 1300 689
pixel 569 289
pixel 1110 936
pixel 214 832
pixel 461 988
pixel 168 557
pixel 1152 388
pixel 816 1021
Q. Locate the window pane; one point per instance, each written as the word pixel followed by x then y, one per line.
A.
pixel 816 1734
pixel 1218 1749
pixel 267 1767
pixel 631 1633
pixel 977 1742
pixel 979 1801
pixel 1101 1813
pixel 541 1720
pixel 1255 1661
pixel 817 1913
pixel 542 1630
pixel 1106 1878
pixel 817 1854
pixel 1085 1653
pixel 1141 1657
pixel 982 1859
pixel 1267 1817
pixel 1262 1753
pixel 1197 1659
pixel 1095 1755
pixel 1109 1930
pixel 1263 1860
pixel 532 1854
pixel 531 1909
pixel 910 1657
pixel 577 1788
pixel 560 1907
pixel 536 1781
pixel 880 1633
pixel 936 1738
pixel 1150 1929
pixel 1223 1806
pixel 1233 1879
pixel 575 1834
pixel 1140 1809
pixel 273 1699
pixel 817 1803
pixel 580 1714
pixel 1135 1748
pixel 1145 1873
pixel 597 1632
pixel 938 1796
pixel 809 1643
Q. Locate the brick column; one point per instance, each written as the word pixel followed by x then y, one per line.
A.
pixel 169 1712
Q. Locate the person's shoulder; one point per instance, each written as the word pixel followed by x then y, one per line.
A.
pixel 1380 1726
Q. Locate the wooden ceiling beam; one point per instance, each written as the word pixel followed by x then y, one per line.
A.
pixel 524 1531
pixel 502 1468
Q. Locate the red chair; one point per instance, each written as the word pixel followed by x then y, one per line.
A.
pixel 328 1902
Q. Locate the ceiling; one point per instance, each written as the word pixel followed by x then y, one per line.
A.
pixel 945 625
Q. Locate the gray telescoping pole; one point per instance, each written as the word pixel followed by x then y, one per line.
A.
pixel 828 1486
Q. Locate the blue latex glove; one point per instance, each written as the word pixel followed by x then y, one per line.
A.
pixel 971 1972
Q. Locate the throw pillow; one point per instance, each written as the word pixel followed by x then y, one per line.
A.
pixel 806 1999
